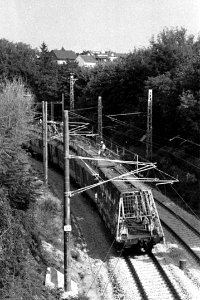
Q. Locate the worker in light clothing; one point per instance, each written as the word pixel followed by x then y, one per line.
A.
pixel 102 148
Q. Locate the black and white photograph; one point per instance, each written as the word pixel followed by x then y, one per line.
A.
pixel 99 149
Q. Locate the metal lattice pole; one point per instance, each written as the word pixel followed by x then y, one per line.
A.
pixel 67 221
pixel 44 138
pixel 100 133
pixel 149 127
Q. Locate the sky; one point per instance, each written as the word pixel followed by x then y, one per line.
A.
pixel 116 25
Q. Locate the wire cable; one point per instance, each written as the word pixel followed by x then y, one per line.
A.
pixel 92 107
pixel 126 114
pixel 105 258
pixel 185 203
pixel 181 199
pixel 106 285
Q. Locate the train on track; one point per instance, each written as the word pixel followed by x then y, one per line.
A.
pixel 128 211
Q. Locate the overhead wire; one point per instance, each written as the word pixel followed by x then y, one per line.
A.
pixel 126 114
pixel 104 260
pixel 133 126
pixel 80 117
pixel 179 197
pixel 106 285
pixel 87 108
pixel 185 202
pixel 155 145
pixel 78 191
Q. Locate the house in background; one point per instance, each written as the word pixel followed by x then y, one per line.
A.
pixel 63 56
pixel 87 61
pixel 112 56
pixel 107 56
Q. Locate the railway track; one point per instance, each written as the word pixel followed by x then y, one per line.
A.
pixel 182 242
pixel 140 288
pixel 194 230
pixel 183 232
pixel 123 282
pixel 151 279
pixel 148 274
pixel 142 277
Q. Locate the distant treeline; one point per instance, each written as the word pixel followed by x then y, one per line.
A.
pixel 170 66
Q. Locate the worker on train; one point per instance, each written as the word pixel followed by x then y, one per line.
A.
pixel 102 149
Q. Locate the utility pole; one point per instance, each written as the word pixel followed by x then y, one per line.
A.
pixel 67 222
pixel 149 127
pixel 100 118
pixel 44 138
pixel 72 81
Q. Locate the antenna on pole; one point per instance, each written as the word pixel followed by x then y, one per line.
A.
pixel 72 81
pixel 149 127
pixel 99 118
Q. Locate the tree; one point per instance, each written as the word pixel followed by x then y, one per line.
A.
pixel 171 48
pixel 17 60
pixel 46 81
pixel 19 235
pixel 189 118
pixel 165 103
pixel 17 114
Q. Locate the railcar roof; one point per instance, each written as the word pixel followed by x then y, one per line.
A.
pixel 108 168
pixel 121 185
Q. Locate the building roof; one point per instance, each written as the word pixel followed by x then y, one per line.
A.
pixel 64 54
pixel 121 55
pixel 88 58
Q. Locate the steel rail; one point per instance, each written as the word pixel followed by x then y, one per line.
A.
pixel 194 230
pixel 181 241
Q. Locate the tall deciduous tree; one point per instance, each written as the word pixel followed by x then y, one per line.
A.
pixel 18 193
pixel 171 48
pixel 17 60
pixel 17 113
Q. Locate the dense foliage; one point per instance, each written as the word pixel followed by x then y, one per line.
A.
pixel 170 66
pixel 21 259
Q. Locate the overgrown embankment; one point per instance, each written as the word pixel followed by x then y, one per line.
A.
pixel 31 237
pixel 22 264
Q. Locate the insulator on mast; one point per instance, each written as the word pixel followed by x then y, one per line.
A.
pixel 72 81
